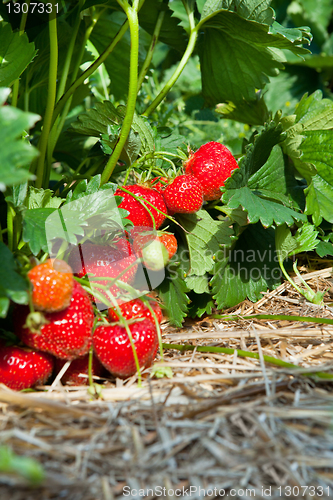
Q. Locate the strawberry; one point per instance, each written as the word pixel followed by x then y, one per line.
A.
pixel 183 195
pixel 159 183
pixel 22 368
pixel 66 334
pixel 136 308
pixel 77 367
pixel 104 261
pixel 168 240
pixel 53 285
pixel 211 164
pixel 138 214
pixel 113 348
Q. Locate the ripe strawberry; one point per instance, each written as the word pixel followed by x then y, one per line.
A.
pixel 113 348
pixel 168 240
pixel 136 308
pixel 123 245
pixel 22 368
pixel 183 195
pixel 138 214
pixel 77 367
pixel 212 164
pixel 67 334
pixel 159 183
pixel 103 261
pixel 53 285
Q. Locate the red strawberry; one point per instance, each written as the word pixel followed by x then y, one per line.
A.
pixel 123 245
pixel 212 164
pixel 103 261
pixel 138 214
pixel 53 285
pixel 159 183
pixel 136 308
pixel 22 368
pixel 67 334
pixel 183 195
pixel 77 367
pixel 113 348
pixel 168 240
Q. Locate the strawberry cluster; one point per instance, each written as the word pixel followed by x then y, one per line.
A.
pixel 60 324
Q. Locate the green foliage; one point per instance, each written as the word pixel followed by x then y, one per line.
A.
pixel 12 285
pixel 15 54
pixel 250 268
pixel 234 71
pixel 16 152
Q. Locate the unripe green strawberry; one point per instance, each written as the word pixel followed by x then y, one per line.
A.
pixel 211 164
pixel 168 240
pixel 183 195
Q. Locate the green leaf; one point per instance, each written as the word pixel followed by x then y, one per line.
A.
pixel 171 33
pixel 258 208
pixel 12 285
pixel 248 269
pixel 104 121
pixel 317 148
pixel 248 53
pixel 16 153
pixel 15 54
pixel 253 112
pixel 199 284
pixel 42 198
pixel 317 15
pixel 324 248
pixel 172 292
pixel 200 305
pixel 34 228
pixel 309 138
pixel 258 10
pixel 204 236
pixel 304 240
pixel 179 11
pixel 263 185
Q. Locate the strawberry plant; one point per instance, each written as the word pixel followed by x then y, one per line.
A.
pixel 208 120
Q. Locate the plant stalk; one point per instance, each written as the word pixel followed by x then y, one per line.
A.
pixel 187 54
pixel 132 16
pixel 52 89
pixel 151 48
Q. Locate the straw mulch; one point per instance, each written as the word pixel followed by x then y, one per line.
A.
pixel 224 422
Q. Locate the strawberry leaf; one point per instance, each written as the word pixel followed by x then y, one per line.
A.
pixel 16 54
pixel 309 144
pixel 204 236
pixel 250 268
pixel 247 53
pixel 324 248
pixel 172 292
pixel 16 152
pixel 304 240
pixel 34 228
pixel 199 284
pixel 12 285
pixel 200 305
pixel 257 10
pixel 258 208
pixel 263 186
